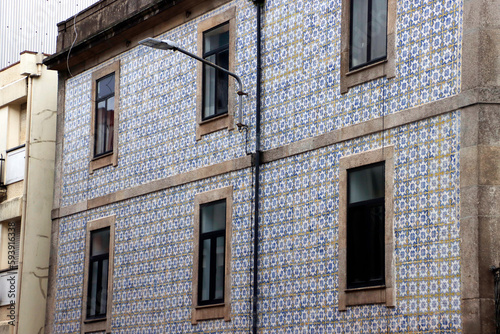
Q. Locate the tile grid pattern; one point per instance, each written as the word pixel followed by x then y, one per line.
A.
pixel 157 116
pixel 153 257
pixel 301 95
pixel 299 271
pixel 302 67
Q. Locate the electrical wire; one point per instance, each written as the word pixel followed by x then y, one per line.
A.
pixel 72 44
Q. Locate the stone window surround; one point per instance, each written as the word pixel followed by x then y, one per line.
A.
pixel 226 120
pixel 369 295
pixel 222 310
pixel 384 68
pixel 110 158
pixel 90 326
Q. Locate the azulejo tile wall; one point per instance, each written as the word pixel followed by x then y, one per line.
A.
pixel 299 250
pixel 301 94
pixel 157 116
pixel 299 229
pixel 153 257
pixel 298 274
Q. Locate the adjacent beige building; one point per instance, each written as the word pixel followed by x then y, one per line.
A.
pixel 28 98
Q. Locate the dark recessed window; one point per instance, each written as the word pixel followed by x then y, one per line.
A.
pixel 368 28
pixel 212 252
pixel 104 117
pixel 215 83
pixel 365 226
pixel 97 295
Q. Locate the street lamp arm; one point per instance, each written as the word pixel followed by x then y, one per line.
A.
pixel 169 45
pixel 204 61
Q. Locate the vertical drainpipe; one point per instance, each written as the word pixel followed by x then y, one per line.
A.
pixel 20 264
pixel 258 153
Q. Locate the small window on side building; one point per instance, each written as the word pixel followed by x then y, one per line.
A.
pixel 215 83
pixel 215 98
pixel 97 295
pixel 366 235
pixel 104 117
pixel 367 41
pixel 212 255
pixel 212 249
pixel 98 276
pixel 368 32
pixel 365 226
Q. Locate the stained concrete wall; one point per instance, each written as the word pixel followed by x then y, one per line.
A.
pixel 31 199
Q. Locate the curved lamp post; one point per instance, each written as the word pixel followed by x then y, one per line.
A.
pixel 169 45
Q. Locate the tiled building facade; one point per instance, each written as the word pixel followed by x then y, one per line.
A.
pixel 431 118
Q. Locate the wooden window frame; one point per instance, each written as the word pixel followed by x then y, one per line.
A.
pixel 373 294
pixel 101 324
pixel 221 310
pixel 110 158
pixel 224 121
pixel 371 71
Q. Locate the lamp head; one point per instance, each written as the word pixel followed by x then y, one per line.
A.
pixel 159 44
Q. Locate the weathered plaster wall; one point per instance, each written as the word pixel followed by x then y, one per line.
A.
pixel 39 191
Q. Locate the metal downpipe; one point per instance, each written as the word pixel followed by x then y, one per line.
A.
pixel 259 4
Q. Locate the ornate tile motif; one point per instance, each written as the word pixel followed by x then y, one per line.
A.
pixel 298 272
pixel 299 250
pixel 301 96
pixel 302 65
pixel 153 256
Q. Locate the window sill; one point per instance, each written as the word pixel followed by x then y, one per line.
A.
pixel 210 312
pixel 214 124
pixel 90 321
pixel 369 295
pixel 198 307
pixel 366 288
pixel 95 325
pixel 384 68
pixel 101 161
pixel 366 67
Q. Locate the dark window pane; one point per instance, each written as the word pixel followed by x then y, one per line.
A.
pixel 106 86
pixel 366 226
pixel 215 83
pixel 103 302
pixel 205 271
pixel 222 83
pixel 110 125
pixel 100 242
pixel 219 269
pixel 210 82
pixel 97 292
pixel 212 252
pixel 379 29
pixel 104 115
pixel 365 246
pixel 368 34
pixel 216 38
pixel 366 184
pixel 359 32
pixel 104 126
pixel 213 216
pixel 92 294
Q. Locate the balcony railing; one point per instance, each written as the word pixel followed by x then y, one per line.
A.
pixel 14 165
